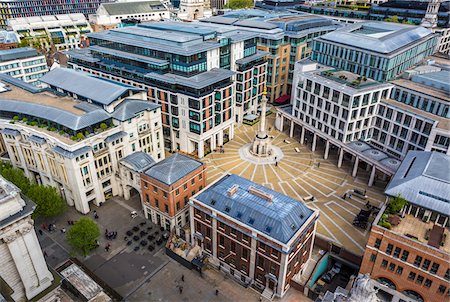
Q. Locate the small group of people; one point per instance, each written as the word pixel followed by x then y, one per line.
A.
pixel 49 227
pixel 70 222
pixel 221 149
pixel 95 215
pixel 110 235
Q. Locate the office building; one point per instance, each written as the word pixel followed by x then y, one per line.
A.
pixel 23 271
pixel 376 50
pixel 73 133
pixel 408 252
pixel 166 188
pixel 110 15
pixel 286 36
pixel 258 236
pixel 11 9
pixel 188 68
pixel 59 31
pixel 190 10
pixel 24 64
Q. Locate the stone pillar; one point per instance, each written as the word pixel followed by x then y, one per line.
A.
pixel 355 167
pixel 201 149
pixel 327 149
pixel 214 236
pixel 231 132
pixel 302 136
pixel 281 123
pixel 372 175
pixel 341 156
pixel 37 257
pixel 313 146
pixel 291 130
pixel 191 221
pixel 126 192
pixel 252 256
pixel 220 138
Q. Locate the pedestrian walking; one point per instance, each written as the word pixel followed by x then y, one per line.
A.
pixel 318 165
pixel 45 254
pixel 181 289
pixel 260 299
pixel 182 278
pixel 276 164
pixel 95 216
pixel 40 232
pixel 63 230
pixel 217 292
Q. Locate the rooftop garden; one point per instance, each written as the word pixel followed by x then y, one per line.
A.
pixel 349 79
pixel 394 206
pixel 73 135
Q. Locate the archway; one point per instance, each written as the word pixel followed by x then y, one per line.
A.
pixel 413 295
pixel 387 282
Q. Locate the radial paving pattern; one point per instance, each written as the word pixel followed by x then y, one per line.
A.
pixel 299 176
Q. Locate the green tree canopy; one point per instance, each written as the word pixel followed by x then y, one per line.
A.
pixel 48 201
pixel 83 235
pixel 396 204
pixel 238 4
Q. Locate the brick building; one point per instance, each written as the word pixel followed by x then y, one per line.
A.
pixel 259 236
pixel 166 188
pixel 408 254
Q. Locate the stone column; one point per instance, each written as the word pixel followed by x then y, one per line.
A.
pixel 220 138
pixel 355 167
pixel 252 256
pixel 191 221
pixel 36 255
pixel 214 236
pixel 341 156
pixel 302 136
pixel 201 149
pixel 327 149
pixel 291 130
pixel 313 146
pixel 372 175
pixel 281 123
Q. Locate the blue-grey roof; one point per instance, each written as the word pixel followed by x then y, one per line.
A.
pixel 56 115
pixel 132 7
pixel 8 37
pixel 382 158
pixel 279 218
pixel 198 81
pixel 258 55
pixel 82 84
pixel 129 108
pixel 438 80
pixel 71 154
pixel 115 136
pixel 173 168
pixel 381 37
pixel 423 179
pixel 21 84
pixel 129 55
pixel 17 53
pixel 9 131
pixel 139 161
pixel 37 139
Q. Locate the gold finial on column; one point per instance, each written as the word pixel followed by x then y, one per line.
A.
pixel 265 90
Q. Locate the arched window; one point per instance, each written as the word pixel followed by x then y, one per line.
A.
pixel 387 282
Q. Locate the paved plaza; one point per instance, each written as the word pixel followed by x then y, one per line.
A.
pixel 302 175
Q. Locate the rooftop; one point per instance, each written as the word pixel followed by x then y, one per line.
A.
pixel 138 161
pixel 381 37
pixel 8 37
pixel 98 90
pixel 12 205
pixel 133 7
pixel 52 19
pixel 17 53
pixel 275 215
pixel 423 180
pixel 382 158
pixel 438 80
pixel 173 168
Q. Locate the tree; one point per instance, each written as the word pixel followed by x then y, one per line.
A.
pixel 49 202
pixel 396 204
pixel 16 176
pixel 103 126
pixel 238 4
pixel 83 235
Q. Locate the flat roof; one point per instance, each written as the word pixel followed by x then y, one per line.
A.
pixel 274 214
pixel 17 53
pixel 422 88
pixel 132 7
pixel 173 168
pixel 380 37
pixel 423 179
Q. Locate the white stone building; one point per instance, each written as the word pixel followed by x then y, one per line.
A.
pixel 194 9
pixel 22 264
pixel 73 134
pixel 23 63
pixel 63 31
pixel 111 14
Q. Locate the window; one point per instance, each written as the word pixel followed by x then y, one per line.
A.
pixel 373 257
pixel 426 264
pixel 412 276
pixel 389 249
pixel 418 261
pixel 384 264
pixel 428 283
pixel 177 192
pixel 441 289
pixel 399 270
pixel 221 240
pixel 377 243
pixel 419 279
pixel 391 266
pixel 245 253
pixel 192 181
pixel 185 187
pixel 434 268
pixel 447 275
pixel 200 177
pixel 405 255
pixel 156 203
pixel 397 252
pixel 245 238
pixel 178 205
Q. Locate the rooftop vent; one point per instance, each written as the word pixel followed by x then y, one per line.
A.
pixel 213 202
pixel 260 193
pixel 251 220
pixel 239 215
pixel 227 209
pixel 231 191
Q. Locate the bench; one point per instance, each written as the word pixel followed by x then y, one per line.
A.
pixel 271 136
pixel 297 150
pixel 286 141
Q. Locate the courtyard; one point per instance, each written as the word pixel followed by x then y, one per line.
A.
pixel 304 175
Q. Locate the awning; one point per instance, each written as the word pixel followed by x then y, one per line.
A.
pixel 283 99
